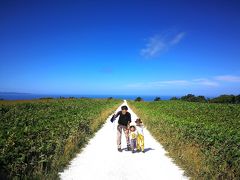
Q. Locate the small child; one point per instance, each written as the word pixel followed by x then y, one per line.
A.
pixel 133 138
pixel 140 135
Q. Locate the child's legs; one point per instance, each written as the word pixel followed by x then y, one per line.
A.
pixel 133 144
pixel 140 142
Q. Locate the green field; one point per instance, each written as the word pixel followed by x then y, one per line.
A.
pixel 204 139
pixel 39 137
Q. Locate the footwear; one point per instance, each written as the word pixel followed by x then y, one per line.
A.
pixel 143 151
pixel 133 151
pixel 128 147
pixel 119 149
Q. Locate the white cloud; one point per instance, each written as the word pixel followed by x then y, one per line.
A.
pixel 153 47
pixel 171 82
pixel 211 82
pixel 176 83
pixel 177 38
pixel 228 78
pixel 159 84
pixel 204 81
pixel 160 43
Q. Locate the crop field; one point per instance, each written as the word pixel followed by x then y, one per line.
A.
pixel 39 137
pixel 204 139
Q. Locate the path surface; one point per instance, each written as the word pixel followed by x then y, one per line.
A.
pixel 101 160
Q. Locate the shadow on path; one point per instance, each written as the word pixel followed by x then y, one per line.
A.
pixel 145 150
pixel 148 149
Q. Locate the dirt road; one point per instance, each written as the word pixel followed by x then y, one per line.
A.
pixel 101 160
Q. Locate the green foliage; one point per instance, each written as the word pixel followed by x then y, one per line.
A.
pixel 174 98
pixel 193 98
pixel 231 99
pixel 46 98
pixel 237 99
pixel 138 99
pixel 203 138
pixel 37 138
pixel 157 99
pixel 224 99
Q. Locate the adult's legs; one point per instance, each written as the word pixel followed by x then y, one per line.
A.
pixel 126 132
pixel 119 135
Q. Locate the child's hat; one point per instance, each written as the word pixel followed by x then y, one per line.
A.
pixel 138 120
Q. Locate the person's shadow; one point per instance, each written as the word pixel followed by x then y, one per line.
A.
pixel 148 149
pixel 145 150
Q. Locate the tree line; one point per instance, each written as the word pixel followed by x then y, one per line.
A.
pixel 229 99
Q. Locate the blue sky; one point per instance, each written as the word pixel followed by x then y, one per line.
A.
pixel 120 47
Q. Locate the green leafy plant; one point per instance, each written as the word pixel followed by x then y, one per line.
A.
pixel 39 137
pixel 203 138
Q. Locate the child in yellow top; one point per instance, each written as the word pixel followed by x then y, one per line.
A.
pixel 140 135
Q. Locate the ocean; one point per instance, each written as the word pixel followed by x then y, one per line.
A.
pixel 19 96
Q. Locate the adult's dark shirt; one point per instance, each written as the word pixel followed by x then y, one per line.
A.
pixel 124 119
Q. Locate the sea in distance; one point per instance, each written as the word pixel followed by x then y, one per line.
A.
pixel 28 96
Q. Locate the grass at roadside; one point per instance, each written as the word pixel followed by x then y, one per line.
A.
pixel 204 139
pixel 39 137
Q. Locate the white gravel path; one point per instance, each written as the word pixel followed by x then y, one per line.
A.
pixel 101 160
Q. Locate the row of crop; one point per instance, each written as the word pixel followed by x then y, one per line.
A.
pixel 203 138
pixel 37 138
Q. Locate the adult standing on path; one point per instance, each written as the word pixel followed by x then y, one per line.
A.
pixel 123 125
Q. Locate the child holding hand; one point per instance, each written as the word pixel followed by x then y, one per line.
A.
pixel 133 138
pixel 140 135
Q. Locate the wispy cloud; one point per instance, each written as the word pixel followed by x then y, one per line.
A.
pixel 154 47
pixel 156 84
pixel 171 82
pixel 206 82
pixel 177 38
pixel 161 43
pixel 228 78
pixel 211 82
pixel 176 83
